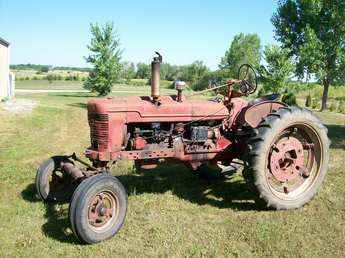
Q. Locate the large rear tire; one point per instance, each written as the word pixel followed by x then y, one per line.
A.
pixel 287 158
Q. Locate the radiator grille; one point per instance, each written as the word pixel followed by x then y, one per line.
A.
pixel 99 131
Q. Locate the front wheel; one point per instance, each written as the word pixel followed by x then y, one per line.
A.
pixel 288 158
pixel 98 208
pixel 52 183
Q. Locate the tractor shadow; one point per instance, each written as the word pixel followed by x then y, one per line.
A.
pixel 74 95
pixel 57 225
pixel 78 105
pixel 221 192
pixel 225 192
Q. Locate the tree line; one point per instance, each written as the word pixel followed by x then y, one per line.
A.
pixel 46 68
pixel 191 72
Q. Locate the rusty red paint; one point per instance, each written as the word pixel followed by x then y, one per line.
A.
pixel 122 111
pixel 139 143
pixel 287 159
pixel 254 113
pixel 102 209
pixel 119 112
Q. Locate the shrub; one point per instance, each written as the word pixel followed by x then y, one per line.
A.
pixel 138 82
pixel 333 106
pixel 308 101
pixel 289 99
pixel 341 107
pixel 50 78
pixel 261 92
pixel 315 104
pixel 44 69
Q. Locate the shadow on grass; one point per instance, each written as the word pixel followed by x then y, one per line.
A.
pixel 223 192
pixel 72 95
pixel 57 225
pixel 336 133
pixel 29 194
pixel 79 105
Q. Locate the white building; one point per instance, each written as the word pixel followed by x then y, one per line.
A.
pixel 6 78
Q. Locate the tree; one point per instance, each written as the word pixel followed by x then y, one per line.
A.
pixel 105 57
pixel 193 73
pixel 44 69
pixel 143 71
pixel 169 72
pixel 128 71
pixel 314 32
pixel 50 78
pixel 244 49
pixel 278 70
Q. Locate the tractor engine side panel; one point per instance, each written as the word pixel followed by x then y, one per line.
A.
pixel 122 113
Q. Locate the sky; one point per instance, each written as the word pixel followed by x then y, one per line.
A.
pixel 57 32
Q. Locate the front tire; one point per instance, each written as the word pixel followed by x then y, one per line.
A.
pixel 287 158
pixel 52 183
pixel 98 208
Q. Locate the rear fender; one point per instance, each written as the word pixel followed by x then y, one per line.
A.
pixel 254 113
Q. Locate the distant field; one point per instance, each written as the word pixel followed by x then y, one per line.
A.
pixel 31 73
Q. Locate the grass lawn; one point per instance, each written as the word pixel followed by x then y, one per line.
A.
pixel 171 211
pixel 78 85
pixel 45 85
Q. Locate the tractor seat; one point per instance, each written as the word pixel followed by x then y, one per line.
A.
pixel 270 97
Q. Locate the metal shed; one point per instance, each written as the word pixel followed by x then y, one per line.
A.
pixel 6 77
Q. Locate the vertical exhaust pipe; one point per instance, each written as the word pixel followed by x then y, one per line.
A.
pixel 155 76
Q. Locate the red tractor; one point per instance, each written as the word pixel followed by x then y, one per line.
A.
pixel 284 149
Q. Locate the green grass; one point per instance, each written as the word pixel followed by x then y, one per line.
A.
pixel 78 85
pixel 171 211
pixel 45 85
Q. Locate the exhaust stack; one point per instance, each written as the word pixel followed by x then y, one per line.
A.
pixel 155 76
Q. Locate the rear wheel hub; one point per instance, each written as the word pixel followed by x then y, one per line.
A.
pixel 287 159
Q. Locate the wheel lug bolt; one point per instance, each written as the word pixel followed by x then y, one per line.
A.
pixel 102 211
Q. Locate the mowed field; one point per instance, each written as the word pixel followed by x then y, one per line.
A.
pixel 171 211
pixel 78 85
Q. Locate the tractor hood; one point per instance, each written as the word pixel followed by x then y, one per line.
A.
pixel 141 109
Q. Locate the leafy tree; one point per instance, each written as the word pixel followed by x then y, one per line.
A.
pixel 128 71
pixel 278 70
pixel 105 57
pixel 50 78
pixel 193 72
pixel 44 69
pixel 143 71
pixel 243 49
pixel 211 79
pixel 169 72
pixel 314 32
pixel 289 99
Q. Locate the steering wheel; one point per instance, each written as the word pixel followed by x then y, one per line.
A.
pixel 248 78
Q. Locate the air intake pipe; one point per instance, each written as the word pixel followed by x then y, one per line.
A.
pixel 155 76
